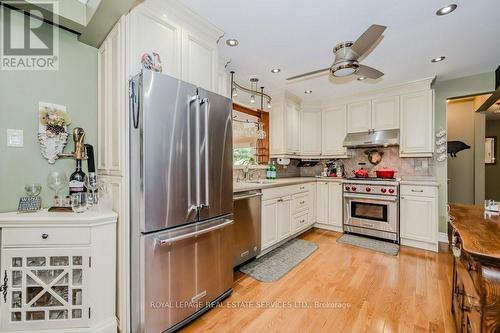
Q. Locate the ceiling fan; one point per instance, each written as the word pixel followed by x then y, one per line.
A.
pixel 347 55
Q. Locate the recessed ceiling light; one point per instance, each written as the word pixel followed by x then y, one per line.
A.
pixel 232 42
pixel 275 70
pixel 438 59
pixel 307 92
pixel 361 78
pixel 446 10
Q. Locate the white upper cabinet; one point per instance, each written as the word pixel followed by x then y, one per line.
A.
pixel 374 115
pixel 417 124
pixel 310 129
pixel 292 128
pixel 151 32
pixel 385 113
pixel 199 60
pixel 359 117
pixel 334 129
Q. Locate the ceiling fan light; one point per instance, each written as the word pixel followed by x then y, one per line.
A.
pixel 446 10
pixel 344 69
pixel 361 78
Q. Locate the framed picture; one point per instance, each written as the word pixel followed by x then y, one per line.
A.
pixel 490 150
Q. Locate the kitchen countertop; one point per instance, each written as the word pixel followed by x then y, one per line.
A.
pixel 419 180
pixel 247 186
pixel 479 231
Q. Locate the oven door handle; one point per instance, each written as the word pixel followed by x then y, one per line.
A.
pixel 374 197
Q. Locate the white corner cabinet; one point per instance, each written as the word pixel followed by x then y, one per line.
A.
pixel 58 272
pixel 285 128
pixel 329 214
pixel 286 212
pixel 417 124
pixel 419 216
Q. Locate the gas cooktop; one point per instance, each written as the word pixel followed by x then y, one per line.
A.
pixel 372 178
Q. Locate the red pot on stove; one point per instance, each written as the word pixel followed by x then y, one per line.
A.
pixel 385 173
pixel 360 173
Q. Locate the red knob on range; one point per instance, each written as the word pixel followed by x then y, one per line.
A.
pixel 347 188
pixel 368 189
pixel 391 190
pixel 383 190
pixel 354 188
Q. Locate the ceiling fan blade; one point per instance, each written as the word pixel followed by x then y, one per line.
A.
pixel 307 74
pixel 367 39
pixel 369 72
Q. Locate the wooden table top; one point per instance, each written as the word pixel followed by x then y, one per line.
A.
pixel 479 231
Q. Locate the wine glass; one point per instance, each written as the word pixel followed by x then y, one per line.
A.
pixel 56 181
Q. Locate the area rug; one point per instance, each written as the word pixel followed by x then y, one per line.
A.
pixel 274 265
pixel 370 243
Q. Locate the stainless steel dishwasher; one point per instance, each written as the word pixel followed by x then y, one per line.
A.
pixel 247 210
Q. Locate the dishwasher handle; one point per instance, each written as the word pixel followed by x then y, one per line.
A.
pixel 246 196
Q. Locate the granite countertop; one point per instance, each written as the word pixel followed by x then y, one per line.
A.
pixel 479 231
pixel 247 186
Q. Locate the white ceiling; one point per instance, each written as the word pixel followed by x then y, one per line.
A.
pixel 298 36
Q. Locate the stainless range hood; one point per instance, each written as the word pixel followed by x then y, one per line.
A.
pixel 383 138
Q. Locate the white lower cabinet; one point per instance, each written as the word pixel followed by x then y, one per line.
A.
pixel 329 205
pixel 419 217
pixel 335 201
pixel 58 272
pixel 286 211
pixel 269 227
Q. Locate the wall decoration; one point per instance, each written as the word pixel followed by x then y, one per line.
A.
pixel 151 62
pixel 52 130
pixel 374 156
pixel 441 145
pixel 490 150
pixel 455 147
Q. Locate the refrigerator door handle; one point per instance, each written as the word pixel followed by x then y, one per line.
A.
pixel 206 103
pixel 134 102
pixel 168 241
pixel 194 99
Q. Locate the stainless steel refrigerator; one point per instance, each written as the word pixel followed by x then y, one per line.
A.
pixel 181 200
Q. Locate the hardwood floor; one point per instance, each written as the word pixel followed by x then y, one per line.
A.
pixel 354 290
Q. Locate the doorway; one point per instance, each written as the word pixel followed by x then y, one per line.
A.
pixel 466 165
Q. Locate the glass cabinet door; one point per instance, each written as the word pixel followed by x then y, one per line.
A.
pixel 44 288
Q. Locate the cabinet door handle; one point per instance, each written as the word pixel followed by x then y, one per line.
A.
pixel 4 286
pixel 418 191
pixel 45 236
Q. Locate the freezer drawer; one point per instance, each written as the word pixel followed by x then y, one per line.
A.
pixel 184 270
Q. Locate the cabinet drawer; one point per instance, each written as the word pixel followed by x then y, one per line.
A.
pixel 45 236
pixel 419 191
pixel 300 202
pixel 277 192
pixel 301 220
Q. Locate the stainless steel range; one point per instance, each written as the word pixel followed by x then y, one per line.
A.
pixel 371 207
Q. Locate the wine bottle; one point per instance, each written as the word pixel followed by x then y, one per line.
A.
pixel 77 180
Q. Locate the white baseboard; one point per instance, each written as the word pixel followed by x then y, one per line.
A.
pixel 443 237
pixel 328 227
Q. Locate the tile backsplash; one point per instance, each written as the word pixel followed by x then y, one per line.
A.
pixel 359 159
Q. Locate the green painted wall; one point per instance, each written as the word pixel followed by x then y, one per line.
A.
pixel 470 85
pixel 73 85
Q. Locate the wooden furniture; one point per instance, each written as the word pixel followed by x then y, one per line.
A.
pixel 58 272
pixel 419 220
pixel 475 242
